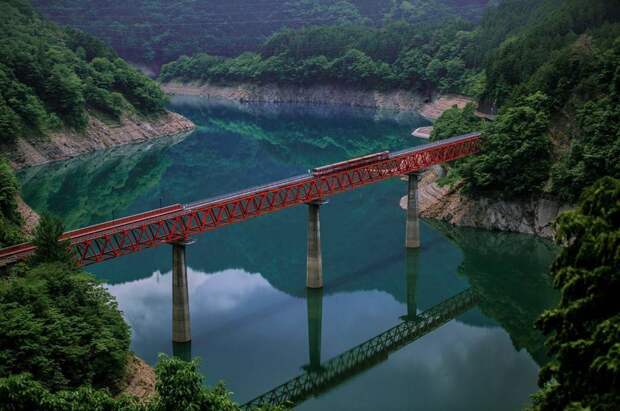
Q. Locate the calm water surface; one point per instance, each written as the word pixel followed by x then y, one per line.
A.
pixel 251 316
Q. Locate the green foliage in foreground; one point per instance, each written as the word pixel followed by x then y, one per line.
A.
pixel 51 77
pixel 584 329
pixel 10 219
pixel 46 236
pixel 62 327
pixel 180 387
pixel 64 344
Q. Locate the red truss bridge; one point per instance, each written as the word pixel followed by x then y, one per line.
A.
pixel 179 222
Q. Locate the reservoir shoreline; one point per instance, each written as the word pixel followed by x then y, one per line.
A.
pixel 443 203
pixel 447 204
pixel 399 100
pixel 99 135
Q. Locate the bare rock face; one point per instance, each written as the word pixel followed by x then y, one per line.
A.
pixel 140 380
pixel 98 135
pixel 534 216
pixel 30 217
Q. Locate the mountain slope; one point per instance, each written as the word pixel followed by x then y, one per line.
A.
pixel 155 32
pixel 62 82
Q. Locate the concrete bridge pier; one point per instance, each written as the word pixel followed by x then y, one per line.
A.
pixel 314 301
pixel 314 263
pixel 412 239
pixel 181 327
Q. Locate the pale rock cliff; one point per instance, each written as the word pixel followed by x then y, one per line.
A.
pixel 98 135
pixel 534 216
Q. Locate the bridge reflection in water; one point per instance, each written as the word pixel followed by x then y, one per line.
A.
pixel 319 378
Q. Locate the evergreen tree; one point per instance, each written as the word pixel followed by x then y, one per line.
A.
pixel 47 240
pixel 584 330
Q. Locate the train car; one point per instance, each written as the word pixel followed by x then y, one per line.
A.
pixel 349 164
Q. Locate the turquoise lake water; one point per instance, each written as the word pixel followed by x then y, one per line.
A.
pixel 248 301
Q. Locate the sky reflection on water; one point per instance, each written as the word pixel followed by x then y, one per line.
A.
pixel 250 333
pixel 247 281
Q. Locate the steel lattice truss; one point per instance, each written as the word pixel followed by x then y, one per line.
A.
pixel 367 354
pixel 179 222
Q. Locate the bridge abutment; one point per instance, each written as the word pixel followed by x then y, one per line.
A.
pixel 181 326
pixel 314 263
pixel 412 239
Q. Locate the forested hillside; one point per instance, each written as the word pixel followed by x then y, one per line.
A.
pixel 549 68
pixel 157 32
pixel 10 219
pixel 399 55
pixel 52 78
pixel 556 84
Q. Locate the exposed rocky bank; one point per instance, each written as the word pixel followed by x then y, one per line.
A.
pixel 140 380
pixel 447 204
pixel 97 136
pixel 30 217
pixel 440 203
pixel 321 94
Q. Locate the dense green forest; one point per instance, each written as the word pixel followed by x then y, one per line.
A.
pixel 65 345
pixel 548 67
pixel 423 57
pixel 10 218
pixel 443 55
pixel 564 113
pixel 157 32
pixel 584 329
pixel 52 77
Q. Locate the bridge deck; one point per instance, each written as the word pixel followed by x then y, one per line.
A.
pixel 178 222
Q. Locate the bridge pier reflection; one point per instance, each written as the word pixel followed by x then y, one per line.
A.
pixel 314 263
pixel 412 267
pixel 182 350
pixel 314 302
pixel 412 238
pixel 181 327
pixel 369 353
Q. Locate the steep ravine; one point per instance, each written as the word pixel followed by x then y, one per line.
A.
pixel 535 216
pixel 97 136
